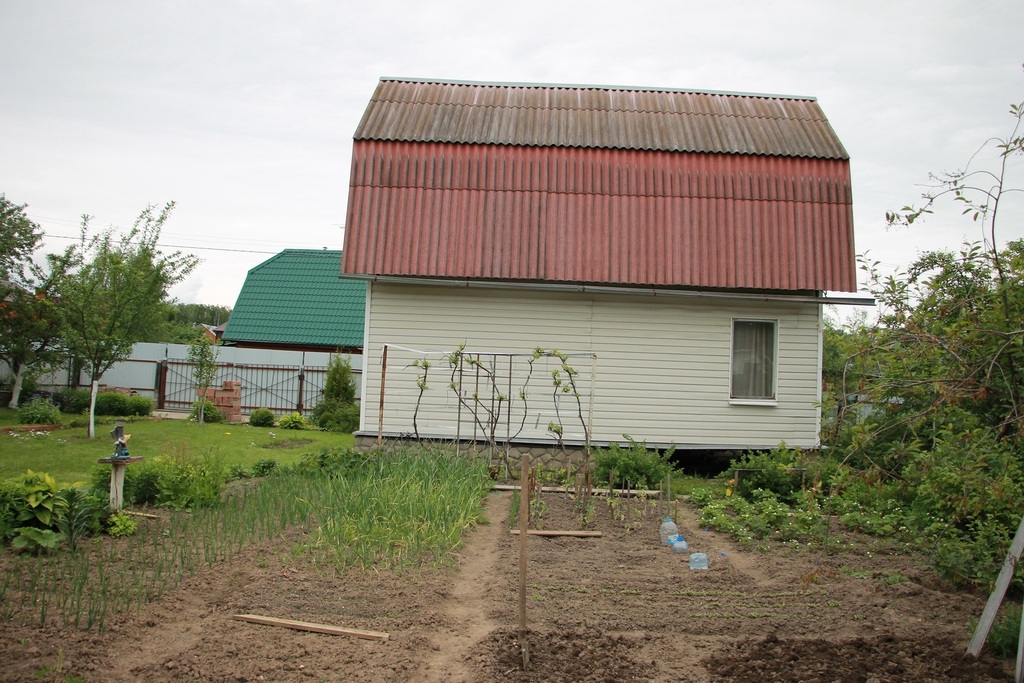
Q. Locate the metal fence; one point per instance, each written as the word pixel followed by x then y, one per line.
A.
pixel 283 381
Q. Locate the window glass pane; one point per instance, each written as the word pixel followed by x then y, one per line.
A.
pixel 753 359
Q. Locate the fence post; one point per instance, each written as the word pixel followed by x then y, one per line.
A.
pixel 302 384
pixel 161 384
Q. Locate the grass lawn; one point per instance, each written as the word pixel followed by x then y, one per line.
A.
pixel 68 455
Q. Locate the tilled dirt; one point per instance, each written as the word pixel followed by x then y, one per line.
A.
pixel 614 608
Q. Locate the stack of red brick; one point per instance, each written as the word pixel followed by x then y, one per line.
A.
pixel 228 399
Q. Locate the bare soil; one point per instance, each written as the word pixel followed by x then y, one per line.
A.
pixel 615 608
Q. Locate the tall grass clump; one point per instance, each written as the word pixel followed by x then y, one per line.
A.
pixel 398 509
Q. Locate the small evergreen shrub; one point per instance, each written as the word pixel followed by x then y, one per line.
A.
pixel 39 411
pixel 112 403
pixel 73 401
pixel 139 406
pixel 261 417
pixel 293 421
pixel 338 410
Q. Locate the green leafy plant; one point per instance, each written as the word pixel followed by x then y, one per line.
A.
pixel 78 514
pixel 293 421
pixel 39 411
pixel 37 541
pixel 338 410
pixel 73 401
pixel 112 403
pixel 264 467
pixel 121 524
pixel 210 412
pixel 38 493
pixel 139 406
pixel 261 417
pixel 636 465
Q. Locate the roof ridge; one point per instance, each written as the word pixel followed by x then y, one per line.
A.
pixel 578 86
pixel 737 115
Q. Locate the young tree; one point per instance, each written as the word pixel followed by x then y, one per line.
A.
pixel 114 295
pixel 29 333
pixel 203 357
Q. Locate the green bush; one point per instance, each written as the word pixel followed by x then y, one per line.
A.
pixel 636 465
pixel 210 412
pixel 264 467
pixel 79 514
pixel 261 417
pixel 121 524
pixel 72 401
pixel 111 403
pixel 188 483
pixel 10 494
pixel 139 406
pixel 779 471
pixel 293 421
pixel 34 500
pixel 39 411
pixel 338 410
pixel 342 418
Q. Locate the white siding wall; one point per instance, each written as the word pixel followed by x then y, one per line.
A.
pixel 661 373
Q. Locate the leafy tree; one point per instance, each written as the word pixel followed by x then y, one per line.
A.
pixel 113 296
pixel 181 321
pixel 29 332
pixel 19 238
pixel 203 357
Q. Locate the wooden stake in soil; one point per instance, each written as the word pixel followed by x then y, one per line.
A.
pixel 524 518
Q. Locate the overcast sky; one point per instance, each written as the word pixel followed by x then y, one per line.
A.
pixel 243 112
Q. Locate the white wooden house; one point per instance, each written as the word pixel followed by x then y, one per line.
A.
pixel 676 247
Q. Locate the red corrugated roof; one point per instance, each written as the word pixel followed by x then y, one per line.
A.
pixel 594 215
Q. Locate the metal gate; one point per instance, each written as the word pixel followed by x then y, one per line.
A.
pixel 281 388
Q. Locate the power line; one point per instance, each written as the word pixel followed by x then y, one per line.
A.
pixel 181 246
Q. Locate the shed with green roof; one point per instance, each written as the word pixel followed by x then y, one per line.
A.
pixel 296 301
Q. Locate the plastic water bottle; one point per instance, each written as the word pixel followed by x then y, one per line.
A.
pixel 698 561
pixel 668 528
pixel 679 545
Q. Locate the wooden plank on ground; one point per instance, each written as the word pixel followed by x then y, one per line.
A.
pixel 542 532
pixel 309 626
pixel 597 492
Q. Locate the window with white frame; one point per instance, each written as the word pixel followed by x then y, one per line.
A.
pixel 753 360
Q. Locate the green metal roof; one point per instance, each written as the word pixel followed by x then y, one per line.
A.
pixel 296 297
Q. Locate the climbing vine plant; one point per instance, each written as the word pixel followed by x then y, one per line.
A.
pixel 492 393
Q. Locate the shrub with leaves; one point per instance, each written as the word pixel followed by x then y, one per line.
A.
pixel 338 410
pixel 261 417
pixel 78 514
pixel 112 403
pixel 39 411
pixel 636 465
pixel 210 412
pixel 74 401
pixel 187 483
pixel 780 471
pixel 121 524
pixel 37 541
pixel 293 421
pixel 264 467
pixel 35 505
pixel 139 406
